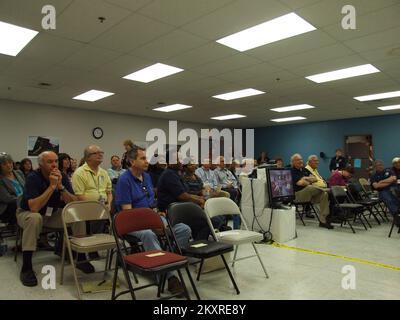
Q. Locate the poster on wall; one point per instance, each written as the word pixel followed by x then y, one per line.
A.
pixel 39 144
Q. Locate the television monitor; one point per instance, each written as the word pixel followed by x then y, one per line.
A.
pixel 280 185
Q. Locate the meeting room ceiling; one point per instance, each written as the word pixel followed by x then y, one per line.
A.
pixel 84 53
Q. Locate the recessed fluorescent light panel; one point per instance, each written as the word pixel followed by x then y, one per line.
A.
pixel 173 107
pixel 13 38
pixel 238 94
pixel 229 117
pixel 283 27
pixel 388 108
pixel 343 73
pixel 288 119
pixel 379 96
pixel 93 95
pixel 293 108
pixel 154 72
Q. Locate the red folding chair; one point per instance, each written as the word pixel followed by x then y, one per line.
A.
pixel 155 263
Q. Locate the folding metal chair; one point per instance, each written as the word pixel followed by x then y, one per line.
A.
pixel 224 206
pixel 82 211
pixel 155 263
pixel 350 211
pixel 301 209
pixel 190 213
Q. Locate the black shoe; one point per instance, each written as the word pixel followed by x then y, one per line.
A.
pixel 397 221
pixel 225 228
pixel 85 267
pixel 326 225
pixel 28 278
pixel 310 215
pixel 94 255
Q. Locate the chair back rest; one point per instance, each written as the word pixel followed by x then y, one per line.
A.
pixel 78 211
pixel 339 194
pixel 220 207
pixel 132 220
pixel 185 212
pixel 355 191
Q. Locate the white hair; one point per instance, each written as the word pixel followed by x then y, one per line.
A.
pixel 296 155
pixel 396 159
pixel 313 156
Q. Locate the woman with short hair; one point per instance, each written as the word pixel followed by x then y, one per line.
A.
pixel 12 184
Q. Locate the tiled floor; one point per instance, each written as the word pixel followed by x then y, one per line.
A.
pixel 293 274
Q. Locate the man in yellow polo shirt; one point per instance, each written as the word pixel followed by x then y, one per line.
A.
pixel 312 167
pixel 90 182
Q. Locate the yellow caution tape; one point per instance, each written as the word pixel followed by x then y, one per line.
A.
pixel 327 254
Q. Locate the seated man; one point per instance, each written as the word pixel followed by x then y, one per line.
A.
pixel 384 180
pixel 228 182
pixel 312 167
pixel 46 192
pixel 171 188
pixel 91 182
pixel 207 176
pixel 305 191
pixel 135 190
pixel 196 187
pixel 116 169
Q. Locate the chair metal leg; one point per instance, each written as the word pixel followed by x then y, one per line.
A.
pixel 200 267
pixel 62 263
pixel 234 256
pixel 192 283
pixel 259 258
pixel 114 285
pixel 161 282
pixel 391 229
pixel 230 274
pixel 351 226
pixel 17 239
pixel 360 215
pixel 73 263
pixel 185 291
pixel 128 281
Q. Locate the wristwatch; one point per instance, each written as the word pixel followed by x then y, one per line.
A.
pixel 62 189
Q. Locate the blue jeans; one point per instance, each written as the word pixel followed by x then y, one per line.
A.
pixel 150 240
pixel 391 201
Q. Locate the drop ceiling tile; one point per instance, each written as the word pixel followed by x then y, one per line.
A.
pixel 236 16
pixel 50 48
pixel 89 57
pixel 180 12
pixel 80 20
pixel 172 44
pixel 133 32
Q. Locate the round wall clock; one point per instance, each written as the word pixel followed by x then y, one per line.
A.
pixel 97 133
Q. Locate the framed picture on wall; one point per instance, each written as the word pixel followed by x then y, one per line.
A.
pixel 39 144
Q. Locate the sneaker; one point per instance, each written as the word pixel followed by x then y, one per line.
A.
pixel 28 278
pixel 326 225
pixel 174 286
pixel 85 267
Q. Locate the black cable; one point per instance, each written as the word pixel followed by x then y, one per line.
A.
pixel 267 235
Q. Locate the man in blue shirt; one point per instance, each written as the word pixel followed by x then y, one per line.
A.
pixel 384 180
pixel 135 190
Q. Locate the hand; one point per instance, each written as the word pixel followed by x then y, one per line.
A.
pixel 54 180
pixel 162 214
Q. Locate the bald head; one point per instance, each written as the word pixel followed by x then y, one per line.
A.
pixel 48 161
pixel 93 155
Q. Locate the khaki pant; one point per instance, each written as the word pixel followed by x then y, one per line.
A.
pixel 315 195
pixel 32 223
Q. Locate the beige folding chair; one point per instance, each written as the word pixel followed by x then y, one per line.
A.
pixel 82 211
pixel 225 206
